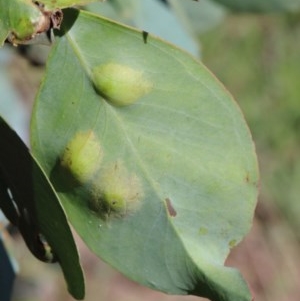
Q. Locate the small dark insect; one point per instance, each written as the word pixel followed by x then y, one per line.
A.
pixel 171 209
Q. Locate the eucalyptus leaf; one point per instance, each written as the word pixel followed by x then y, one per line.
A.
pixel 30 203
pixel 3 32
pixel 53 4
pixel 262 6
pixel 174 183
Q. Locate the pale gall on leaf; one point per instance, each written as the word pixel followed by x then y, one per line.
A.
pixel 82 156
pixel 121 85
pixel 115 191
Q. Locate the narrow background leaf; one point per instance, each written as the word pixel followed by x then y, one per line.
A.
pixel 141 14
pixel 53 4
pixel 7 272
pixel 262 6
pixel 37 209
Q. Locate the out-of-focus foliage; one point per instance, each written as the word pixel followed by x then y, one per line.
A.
pixel 176 21
pixel 259 63
pixel 198 17
pixel 261 5
pixel 7 272
pixel 11 106
pixel 27 198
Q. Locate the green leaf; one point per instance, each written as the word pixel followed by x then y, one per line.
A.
pixel 53 4
pixel 29 202
pixel 3 31
pixel 18 18
pixel 262 5
pixel 175 186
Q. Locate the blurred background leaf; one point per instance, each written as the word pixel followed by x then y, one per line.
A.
pixel 11 106
pixel 261 6
pixel 198 17
pixel 30 203
pixel 141 15
pixel 7 271
pixel 53 4
pixel 257 58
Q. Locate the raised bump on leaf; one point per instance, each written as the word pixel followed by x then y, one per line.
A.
pixel 82 156
pixel 116 192
pixel 121 85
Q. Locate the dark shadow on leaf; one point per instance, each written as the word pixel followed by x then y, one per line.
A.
pixel 62 179
pixel 69 18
